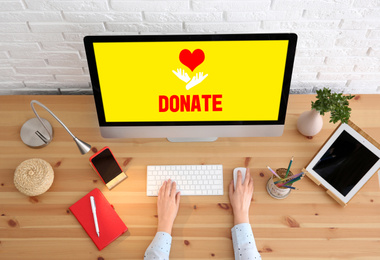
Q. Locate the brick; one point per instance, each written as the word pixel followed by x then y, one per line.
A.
pixel 373 52
pixel 74 91
pixel 316 39
pixel 315 43
pixel 299 89
pixel 369 67
pixel 372 13
pixel 44 55
pixel 19 77
pixel 144 27
pixel 356 43
pixel 151 6
pixel 304 76
pixel 263 15
pixel 77 37
pixel 319 84
pixel 13 27
pixel 27 91
pixel 352 39
pixel 3 55
pixel 324 68
pixel 347 76
pixel 164 17
pixel 317 34
pixel 335 88
pixel 349 60
pixel 344 89
pixel 62 46
pixel 94 17
pixel 6 71
pixel 313 5
pixel 8 46
pixel 82 55
pixel 48 71
pixel 345 14
pixel 360 24
pixel 82 79
pixel 30 37
pixel 221 27
pixel 66 27
pixel 54 85
pixel 302 61
pixel 374 34
pixel 12 6
pixel 331 52
pixel 7 86
pixel 74 6
pixel 363 86
pixel 299 25
pixel 231 6
pixel 363 90
pixel 334 14
pixel 366 3
pixel 72 63
pixel 28 16
pixel 22 63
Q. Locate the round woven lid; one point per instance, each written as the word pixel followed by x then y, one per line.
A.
pixel 33 177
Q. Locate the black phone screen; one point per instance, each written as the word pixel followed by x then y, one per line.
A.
pixel 106 165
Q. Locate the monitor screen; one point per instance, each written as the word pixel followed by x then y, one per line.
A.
pixel 191 80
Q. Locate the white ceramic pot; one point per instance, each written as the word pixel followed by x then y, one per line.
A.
pixel 310 123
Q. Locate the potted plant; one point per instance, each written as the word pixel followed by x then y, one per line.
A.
pixel 310 122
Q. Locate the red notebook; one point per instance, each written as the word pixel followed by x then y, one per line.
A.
pixel 110 224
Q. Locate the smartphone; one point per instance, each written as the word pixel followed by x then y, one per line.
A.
pixel 106 166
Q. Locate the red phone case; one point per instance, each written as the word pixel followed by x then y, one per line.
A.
pixel 96 154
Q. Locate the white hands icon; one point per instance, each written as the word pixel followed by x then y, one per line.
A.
pixel 182 75
pixel 198 78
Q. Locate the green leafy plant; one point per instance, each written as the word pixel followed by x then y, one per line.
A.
pixel 335 103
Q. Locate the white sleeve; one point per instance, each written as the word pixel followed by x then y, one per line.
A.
pixel 159 249
pixel 244 242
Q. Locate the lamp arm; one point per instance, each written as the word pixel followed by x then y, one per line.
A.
pixel 47 109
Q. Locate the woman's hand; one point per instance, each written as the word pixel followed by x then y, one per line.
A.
pixel 167 206
pixel 240 198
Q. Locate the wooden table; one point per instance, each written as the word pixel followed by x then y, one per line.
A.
pixel 307 225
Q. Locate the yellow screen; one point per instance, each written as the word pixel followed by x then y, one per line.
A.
pixel 191 81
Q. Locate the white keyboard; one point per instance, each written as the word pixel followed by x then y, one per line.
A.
pixel 190 179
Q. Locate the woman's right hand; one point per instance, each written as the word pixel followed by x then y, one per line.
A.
pixel 167 206
pixel 241 197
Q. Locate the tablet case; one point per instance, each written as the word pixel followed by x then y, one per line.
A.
pixel 361 132
pixel 110 224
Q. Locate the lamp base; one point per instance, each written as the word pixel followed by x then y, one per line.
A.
pixel 34 134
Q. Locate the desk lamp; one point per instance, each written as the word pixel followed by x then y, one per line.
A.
pixel 38 132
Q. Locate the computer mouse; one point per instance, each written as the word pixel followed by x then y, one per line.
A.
pixel 243 171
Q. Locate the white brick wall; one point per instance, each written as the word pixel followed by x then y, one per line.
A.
pixel 41 41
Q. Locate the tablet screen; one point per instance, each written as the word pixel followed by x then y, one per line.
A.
pixel 345 162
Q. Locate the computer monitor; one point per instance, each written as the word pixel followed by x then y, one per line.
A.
pixel 191 87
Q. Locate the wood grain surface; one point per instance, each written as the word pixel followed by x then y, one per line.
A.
pixel 308 224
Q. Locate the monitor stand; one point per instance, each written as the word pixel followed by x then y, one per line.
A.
pixel 190 139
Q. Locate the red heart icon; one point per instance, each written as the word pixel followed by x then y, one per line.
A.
pixel 191 60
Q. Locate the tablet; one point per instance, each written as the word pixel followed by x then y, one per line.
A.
pixel 345 163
